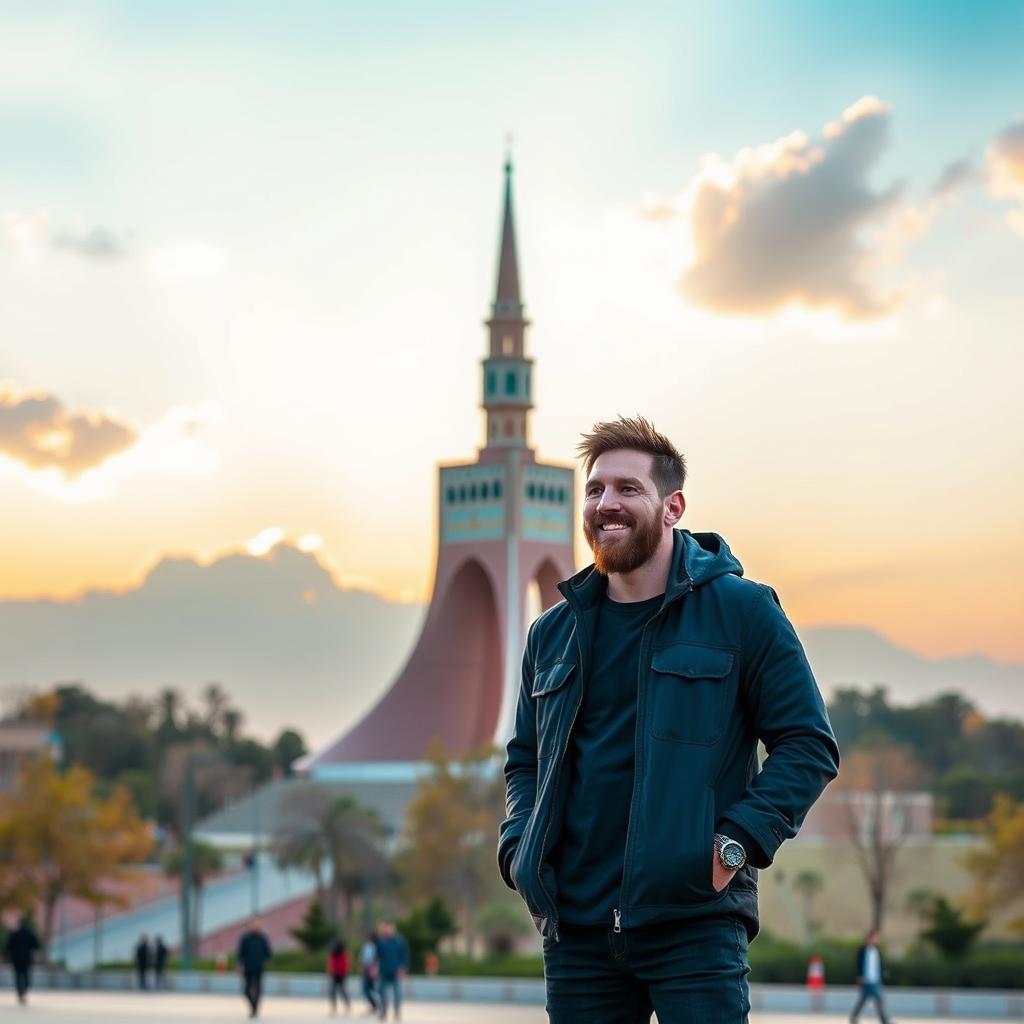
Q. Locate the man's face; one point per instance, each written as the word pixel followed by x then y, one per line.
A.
pixel 623 515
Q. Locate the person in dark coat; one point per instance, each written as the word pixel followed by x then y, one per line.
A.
pixel 253 953
pixel 22 944
pixel 393 962
pixel 869 979
pixel 160 953
pixel 142 960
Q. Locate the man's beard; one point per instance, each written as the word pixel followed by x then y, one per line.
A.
pixel 621 554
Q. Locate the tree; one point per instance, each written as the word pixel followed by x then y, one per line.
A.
pixel 207 861
pixel 424 928
pixel 449 827
pixel 288 748
pixel 60 840
pixel 808 884
pixel 216 700
pixel 949 933
pixel 318 826
pixel 315 932
pixel 998 868
pixel 871 780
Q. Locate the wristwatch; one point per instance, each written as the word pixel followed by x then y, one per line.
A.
pixel 731 854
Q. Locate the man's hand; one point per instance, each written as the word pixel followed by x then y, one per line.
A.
pixel 720 876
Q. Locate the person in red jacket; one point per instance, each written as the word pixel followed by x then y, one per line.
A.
pixel 337 970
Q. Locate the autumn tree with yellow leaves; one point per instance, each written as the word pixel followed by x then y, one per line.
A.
pixel 998 868
pixel 450 827
pixel 59 839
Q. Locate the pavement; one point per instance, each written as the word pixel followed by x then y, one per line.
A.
pixel 173 1008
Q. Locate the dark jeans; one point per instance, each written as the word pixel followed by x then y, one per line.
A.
pixel 690 972
pixel 369 991
pixel 253 990
pixel 871 991
pixel 394 983
pixel 22 980
pixel 337 985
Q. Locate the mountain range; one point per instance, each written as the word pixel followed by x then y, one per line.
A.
pixel 292 648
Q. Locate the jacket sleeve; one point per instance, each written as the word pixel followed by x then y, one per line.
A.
pixel 789 717
pixel 520 769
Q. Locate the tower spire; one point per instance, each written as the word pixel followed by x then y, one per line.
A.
pixel 507 301
pixel 507 372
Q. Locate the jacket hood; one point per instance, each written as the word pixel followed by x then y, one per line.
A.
pixel 705 557
pixel 697 558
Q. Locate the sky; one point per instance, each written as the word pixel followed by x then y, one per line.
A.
pixel 246 250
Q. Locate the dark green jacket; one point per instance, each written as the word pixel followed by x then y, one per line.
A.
pixel 720 668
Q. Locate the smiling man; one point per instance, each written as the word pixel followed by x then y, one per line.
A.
pixel 636 813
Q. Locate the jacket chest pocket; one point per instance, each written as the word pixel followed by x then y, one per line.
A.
pixel 687 693
pixel 549 693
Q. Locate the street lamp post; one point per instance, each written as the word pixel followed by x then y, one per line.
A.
pixel 188 799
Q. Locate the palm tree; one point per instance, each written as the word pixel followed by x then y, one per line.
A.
pixel 216 700
pixel 232 722
pixel 320 827
pixel 207 861
pixel 808 883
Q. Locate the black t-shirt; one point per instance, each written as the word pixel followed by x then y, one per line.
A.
pixel 588 857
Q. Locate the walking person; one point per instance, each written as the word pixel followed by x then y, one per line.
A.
pixel 253 954
pixel 22 944
pixel 337 974
pixel 393 962
pixel 636 813
pixel 160 953
pixel 368 971
pixel 142 960
pixel 869 979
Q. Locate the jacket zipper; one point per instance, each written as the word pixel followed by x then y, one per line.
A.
pixel 626 866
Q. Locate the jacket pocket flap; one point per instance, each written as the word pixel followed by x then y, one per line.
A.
pixel 551 678
pixel 693 662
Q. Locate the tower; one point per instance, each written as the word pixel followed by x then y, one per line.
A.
pixel 505 522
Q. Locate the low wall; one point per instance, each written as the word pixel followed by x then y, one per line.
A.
pixel 902 1002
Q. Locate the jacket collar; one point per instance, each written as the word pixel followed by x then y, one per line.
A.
pixel 588 587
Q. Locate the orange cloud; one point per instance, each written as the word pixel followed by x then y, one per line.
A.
pixel 1005 158
pixel 36 430
pixel 784 223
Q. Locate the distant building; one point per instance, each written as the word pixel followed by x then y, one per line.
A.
pixel 505 533
pixel 842 816
pixel 20 741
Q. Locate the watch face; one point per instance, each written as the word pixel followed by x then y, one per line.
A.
pixel 732 855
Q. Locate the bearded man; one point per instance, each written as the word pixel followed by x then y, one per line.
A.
pixel 637 816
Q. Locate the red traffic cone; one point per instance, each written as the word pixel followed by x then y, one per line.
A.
pixel 816 973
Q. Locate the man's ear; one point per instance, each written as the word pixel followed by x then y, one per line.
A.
pixel 675 506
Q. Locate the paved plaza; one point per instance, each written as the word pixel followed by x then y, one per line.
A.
pixel 170 1008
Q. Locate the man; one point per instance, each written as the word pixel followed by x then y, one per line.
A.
pixel 160 952
pixel 142 960
pixel 392 963
pixel 368 970
pixel 636 814
pixel 22 944
pixel 869 978
pixel 253 953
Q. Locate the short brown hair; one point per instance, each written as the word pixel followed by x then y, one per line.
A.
pixel 668 466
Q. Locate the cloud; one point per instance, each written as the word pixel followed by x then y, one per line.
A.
pixel 29 234
pixel 37 431
pixel 98 244
pixel 788 223
pixel 955 176
pixel 1005 162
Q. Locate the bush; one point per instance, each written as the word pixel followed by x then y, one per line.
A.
pixel 423 929
pixel 315 933
pixel 776 961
